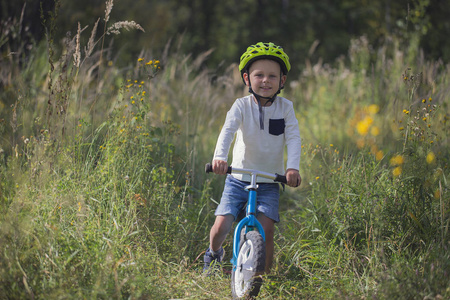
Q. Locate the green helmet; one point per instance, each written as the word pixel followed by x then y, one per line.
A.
pixel 264 51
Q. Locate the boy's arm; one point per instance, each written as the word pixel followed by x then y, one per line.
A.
pixel 226 136
pixel 294 146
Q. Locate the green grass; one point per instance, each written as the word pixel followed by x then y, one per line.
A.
pixel 103 193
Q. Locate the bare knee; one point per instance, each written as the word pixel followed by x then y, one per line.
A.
pixel 219 231
pixel 222 224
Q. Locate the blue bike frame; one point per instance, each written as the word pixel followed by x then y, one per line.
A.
pixel 249 222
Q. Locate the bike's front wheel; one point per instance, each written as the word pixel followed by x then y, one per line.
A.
pixel 245 278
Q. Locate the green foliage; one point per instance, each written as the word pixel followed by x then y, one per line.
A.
pixel 102 191
pixel 383 201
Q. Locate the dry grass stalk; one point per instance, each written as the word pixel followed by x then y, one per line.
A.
pixel 109 6
pixel 128 25
pixel 77 53
pixel 91 42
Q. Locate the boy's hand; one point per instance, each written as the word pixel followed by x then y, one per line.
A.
pixel 220 167
pixel 293 178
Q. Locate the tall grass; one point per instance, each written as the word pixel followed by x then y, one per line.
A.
pixel 103 195
pixel 376 161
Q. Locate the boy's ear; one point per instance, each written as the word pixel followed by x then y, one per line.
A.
pixel 283 80
pixel 245 76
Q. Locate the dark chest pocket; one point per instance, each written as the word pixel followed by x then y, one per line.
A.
pixel 276 126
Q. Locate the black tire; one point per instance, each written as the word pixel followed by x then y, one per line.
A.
pixel 246 280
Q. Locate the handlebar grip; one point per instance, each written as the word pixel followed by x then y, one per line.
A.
pixel 281 178
pixel 209 169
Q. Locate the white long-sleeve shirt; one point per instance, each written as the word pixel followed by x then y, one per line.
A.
pixel 260 149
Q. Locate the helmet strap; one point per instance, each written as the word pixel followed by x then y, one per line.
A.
pixel 258 100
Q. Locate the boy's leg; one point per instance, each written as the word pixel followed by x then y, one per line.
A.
pixel 269 229
pixel 217 235
pixel 219 231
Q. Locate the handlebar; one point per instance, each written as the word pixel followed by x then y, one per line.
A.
pixel 275 177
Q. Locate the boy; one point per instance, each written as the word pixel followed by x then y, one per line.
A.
pixel 264 125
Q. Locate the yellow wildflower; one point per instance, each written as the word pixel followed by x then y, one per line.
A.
pixel 363 126
pixel 430 157
pixel 375 131
pixel 379 155
pixel 140 59
pixel 373 109
pixel 397 160
pixel 397 171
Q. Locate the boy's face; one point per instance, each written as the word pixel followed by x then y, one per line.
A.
pixel 265 77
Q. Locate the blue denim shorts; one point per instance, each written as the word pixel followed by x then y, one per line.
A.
pixel 235 197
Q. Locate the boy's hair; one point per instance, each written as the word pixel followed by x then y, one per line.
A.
pixel 264 51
